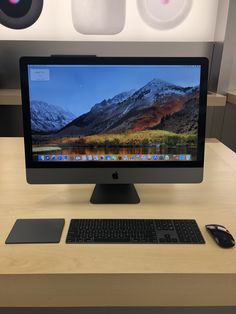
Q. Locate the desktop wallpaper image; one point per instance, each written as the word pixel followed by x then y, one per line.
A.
pixel 115 113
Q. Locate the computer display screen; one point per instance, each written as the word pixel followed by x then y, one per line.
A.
pixel 86 113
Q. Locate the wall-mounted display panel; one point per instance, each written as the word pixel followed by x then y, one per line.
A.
pixel 60 21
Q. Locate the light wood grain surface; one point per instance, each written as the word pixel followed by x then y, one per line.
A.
pixel 231 97
pixel 13 97
pixel 118 275
pixel 10 97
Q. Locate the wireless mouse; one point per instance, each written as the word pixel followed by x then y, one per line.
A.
pixel 98 17
pixel 221 235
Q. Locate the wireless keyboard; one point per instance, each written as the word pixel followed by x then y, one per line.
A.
pixel 154 231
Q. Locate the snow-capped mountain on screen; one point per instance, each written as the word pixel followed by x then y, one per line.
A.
pixel 48 118
pixel 110 103
pixel 150 107
pixel 121 97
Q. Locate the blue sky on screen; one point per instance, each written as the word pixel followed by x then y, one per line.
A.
pixel 77 89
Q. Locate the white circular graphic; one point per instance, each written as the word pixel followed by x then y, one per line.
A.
pixel 164 14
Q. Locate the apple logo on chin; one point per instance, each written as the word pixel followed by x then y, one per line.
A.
pixel 115 176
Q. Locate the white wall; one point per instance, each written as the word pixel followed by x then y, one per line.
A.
pixel 232 84
pixel 55 23
pixel 227 77
pixel 222 16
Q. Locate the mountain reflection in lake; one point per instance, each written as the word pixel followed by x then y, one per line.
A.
pixel 147 150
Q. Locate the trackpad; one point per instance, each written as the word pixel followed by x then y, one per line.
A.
pixel 36 231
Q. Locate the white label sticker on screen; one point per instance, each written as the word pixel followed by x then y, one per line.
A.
pixel 39 74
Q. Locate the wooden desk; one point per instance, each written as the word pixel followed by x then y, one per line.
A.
pixel 60 275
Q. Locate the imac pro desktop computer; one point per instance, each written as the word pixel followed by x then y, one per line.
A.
pixel 114 122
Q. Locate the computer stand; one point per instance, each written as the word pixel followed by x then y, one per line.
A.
pixel 114 194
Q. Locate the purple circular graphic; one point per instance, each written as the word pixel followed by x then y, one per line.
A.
pixel 14 1
pixel 20 14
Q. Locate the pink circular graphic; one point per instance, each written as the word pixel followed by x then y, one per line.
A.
pixel 165 1
pixel 14 1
